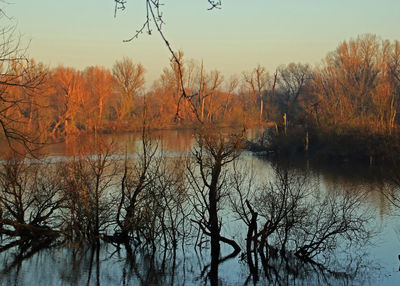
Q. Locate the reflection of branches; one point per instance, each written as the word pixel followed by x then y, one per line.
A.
pixel 391 191
pixel 282 269
pixel 297 225
pixel 151 268
pixel 29 202
pixel 220 261
pixel 24 249
pixel 207 178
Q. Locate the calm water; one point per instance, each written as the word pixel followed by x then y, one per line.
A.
pixel 83 265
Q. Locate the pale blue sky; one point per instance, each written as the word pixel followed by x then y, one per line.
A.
pixel 81 33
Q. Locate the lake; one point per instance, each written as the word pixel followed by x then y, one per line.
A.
pixel 375 262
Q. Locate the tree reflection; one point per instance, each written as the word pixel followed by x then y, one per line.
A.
pixel 296 226
pixel 207 175
pixel 290 270
pixel 134 221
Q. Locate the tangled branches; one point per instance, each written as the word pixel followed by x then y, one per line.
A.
pixel 154 20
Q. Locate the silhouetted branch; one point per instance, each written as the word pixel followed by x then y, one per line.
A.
pixel 154 15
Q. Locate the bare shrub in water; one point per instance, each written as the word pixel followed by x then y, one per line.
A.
pixel 292 218
pixel 151 200
pixel 86 182
pixel 29 202
pixel 207 178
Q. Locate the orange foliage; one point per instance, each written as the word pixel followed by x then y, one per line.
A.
pixel 356 85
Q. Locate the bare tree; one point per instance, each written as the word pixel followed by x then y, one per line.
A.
pixel 86 182
pixel 293 82
pixel 207 178
pixel 292 219
pixel 257 82
pixel 134 198
pixel 18 83
pixel 30 203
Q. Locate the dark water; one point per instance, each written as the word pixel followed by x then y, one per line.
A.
pixel 377 263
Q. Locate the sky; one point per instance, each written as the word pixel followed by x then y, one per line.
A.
pixel 235 38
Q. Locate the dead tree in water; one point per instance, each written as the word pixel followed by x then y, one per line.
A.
pixel 29 203
pixel 151 201
pixel 291 219
pixel 135 182
pixel 86 182
pixel 207 177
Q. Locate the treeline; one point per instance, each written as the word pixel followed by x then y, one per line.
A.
pixel 64 101
pixel 344 109
pixel 356 87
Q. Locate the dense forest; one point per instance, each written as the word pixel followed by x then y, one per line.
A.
pixel 352 95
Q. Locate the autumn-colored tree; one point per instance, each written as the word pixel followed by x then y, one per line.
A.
pixel 67 98
pixel 228 97
pixel 355 85
pixel 98 81
pixel 257 82
pixel 173 82
pixel 128 84
pixel 19 85
pixel 215 80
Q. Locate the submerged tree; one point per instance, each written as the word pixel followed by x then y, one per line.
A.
pixel 292 219
pixel 30 202
pixel 86 182
pixel 207 178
